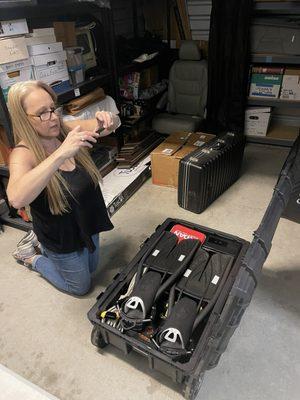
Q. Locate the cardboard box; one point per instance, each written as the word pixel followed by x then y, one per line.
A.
pixel 290 89
pixel 120 184
pixel 48 59
pixel 45 48
pixel 265 85
pixel 51 74
pixel 257 121
pixel 50 68
pixel 13 49
pixel 16 65
pixel 166 157
pixel 43 32
pixel 32 40
pixel 7 79
pixel 13 27
pixel 65 33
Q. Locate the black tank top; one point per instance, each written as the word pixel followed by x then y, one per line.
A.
pixel 72 230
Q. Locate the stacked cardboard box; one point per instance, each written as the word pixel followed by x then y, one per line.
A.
pixel 257 120
pixel 49 59
pixel 166 157
pixel 266 82
pixel 290 89
pixel 15 64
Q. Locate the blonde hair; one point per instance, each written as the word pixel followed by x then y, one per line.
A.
pixel 23 130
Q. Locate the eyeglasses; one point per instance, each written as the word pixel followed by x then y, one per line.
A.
pixel 46 115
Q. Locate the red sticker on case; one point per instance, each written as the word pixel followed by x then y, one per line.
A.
pixel 182 232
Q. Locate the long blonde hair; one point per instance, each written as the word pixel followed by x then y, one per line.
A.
pixel 24 131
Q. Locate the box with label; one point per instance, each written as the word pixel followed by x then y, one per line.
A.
pixel 257 121
pixel 16 65
pixel 7 79
pixel 13 49
pixel 290 89
pixel 45 48
pixel 52 74
pixel 17 72
pixel 50 68
pixel 13 27
pixel 166 157
pixel 265 85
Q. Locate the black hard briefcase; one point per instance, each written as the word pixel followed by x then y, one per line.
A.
pixel 182 296
pixel 208 171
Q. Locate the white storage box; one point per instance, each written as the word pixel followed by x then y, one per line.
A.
pixel 48 59
pixel 13 27
pixel 45 48
pixel 14 66
pixel 13 49
pixel 32 40
pixel 43 32
pixel 52 74
pixel 50 68
pixel 7 79
pixel 257 121
pixel 290 89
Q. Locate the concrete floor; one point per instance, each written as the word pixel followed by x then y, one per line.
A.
pixel 45 334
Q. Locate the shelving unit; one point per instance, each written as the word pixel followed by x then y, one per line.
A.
pixel 288 122
pixel 255 101
pixel 283 7
pixel 69 10
pixel 66 10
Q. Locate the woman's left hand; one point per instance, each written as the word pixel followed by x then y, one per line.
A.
pixel 104 120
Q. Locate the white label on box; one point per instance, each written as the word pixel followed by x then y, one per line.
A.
pixel 187 273
pixel 215 280
pixel 198 143
pixel 257 90
pixel 156 252
pixel 181 258
pixel 167 151
pixel 77 92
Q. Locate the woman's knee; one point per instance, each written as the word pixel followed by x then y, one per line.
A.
pixel 81 288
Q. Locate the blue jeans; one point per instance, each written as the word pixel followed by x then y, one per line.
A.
pixel 70 272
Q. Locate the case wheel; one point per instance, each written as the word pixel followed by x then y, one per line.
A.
pixel 97 338
pixel 192 387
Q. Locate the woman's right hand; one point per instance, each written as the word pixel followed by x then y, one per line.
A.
pixel 76 139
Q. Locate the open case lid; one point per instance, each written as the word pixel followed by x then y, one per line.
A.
pixel 257 253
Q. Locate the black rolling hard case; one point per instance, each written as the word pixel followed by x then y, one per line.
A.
pixel 198 287
pixel 208 171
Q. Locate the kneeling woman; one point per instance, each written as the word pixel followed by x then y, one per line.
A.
pixel 51 170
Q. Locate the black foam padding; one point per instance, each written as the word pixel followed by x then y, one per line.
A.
pixel 194 271
pixel 157 259
pixel 146 289
pixel 182 318
pixel 178 255
pixel 205 286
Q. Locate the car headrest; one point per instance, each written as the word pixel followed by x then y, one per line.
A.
pixel 189 50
